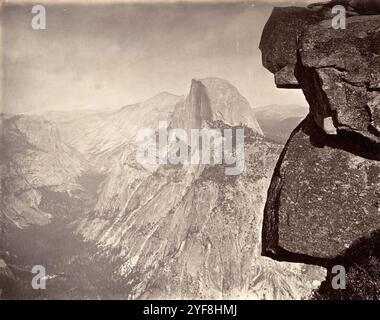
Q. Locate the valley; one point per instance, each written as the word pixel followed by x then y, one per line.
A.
pixel 76 200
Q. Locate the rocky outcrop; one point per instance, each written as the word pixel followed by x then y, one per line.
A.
pixel 325 191
pixel 279 42
pixel 360 6
pixel 323 196
pixel 339 72
pixel 336 69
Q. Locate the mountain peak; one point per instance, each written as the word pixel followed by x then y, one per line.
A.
pixel 213 99
pixel 163 97
pixel 214 82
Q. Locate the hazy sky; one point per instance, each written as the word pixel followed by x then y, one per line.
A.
pixel 108 56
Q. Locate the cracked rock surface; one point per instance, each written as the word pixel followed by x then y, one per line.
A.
pixel 323 196
pixel 325 191
pixel 339 72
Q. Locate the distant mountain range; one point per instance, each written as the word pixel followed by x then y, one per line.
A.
pixel 278 121
pixel 76 200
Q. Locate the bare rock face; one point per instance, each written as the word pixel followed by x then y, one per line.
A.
pixel 323 195
pixel 279 42
pixel 339 72
pixel 213 99
pixel 341 67
pixel 325 192
pixel 361 6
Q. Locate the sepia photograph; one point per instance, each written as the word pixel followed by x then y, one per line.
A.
pixel 196 151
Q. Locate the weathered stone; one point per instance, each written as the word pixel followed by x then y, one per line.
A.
pixel 324 195
pixel 353 6
pixel 341 67
pixel 364 6
pixel 279 42
pixel 285 78
pixel 325 191
pixel 339 73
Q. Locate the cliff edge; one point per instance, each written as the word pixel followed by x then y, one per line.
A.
pixel 324 197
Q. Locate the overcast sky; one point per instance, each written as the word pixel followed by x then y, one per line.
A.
pixel 108 56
